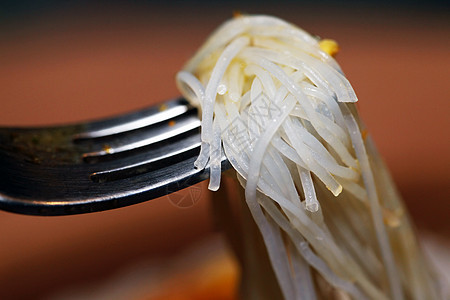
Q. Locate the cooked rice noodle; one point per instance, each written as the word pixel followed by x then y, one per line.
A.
pixel 283 112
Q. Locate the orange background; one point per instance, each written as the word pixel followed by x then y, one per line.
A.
pixel 71 65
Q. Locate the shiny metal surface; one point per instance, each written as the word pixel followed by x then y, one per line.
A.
pixel 100 165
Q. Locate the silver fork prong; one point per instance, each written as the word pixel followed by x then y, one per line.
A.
pixel 146 165
pixel 135 142
pixel 152 116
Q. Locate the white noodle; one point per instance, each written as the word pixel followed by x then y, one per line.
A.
pixel 312 204
pixel 216 158
pixel 302 275
pixel 210 93
pixel 386 252
pixel 276 103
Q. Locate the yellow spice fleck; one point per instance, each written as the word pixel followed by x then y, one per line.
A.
pixel 237 13
pixel 162 107
pixel 329 46
pixel 107 148
pixel 364 134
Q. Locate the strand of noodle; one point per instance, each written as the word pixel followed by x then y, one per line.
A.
pixel 364 256
pixel 239 162
pixel 318 219
pixel 189 83
pixel 321 154
pixel 302 274
pixel 245 101
pixel 329 134
pixel 276 141
pixel 332 105
pixel 322 109
pixel 231 129
pixel 315 261
pixel 275 247
pixel 253 116
pixel 285 273
pixel 264 77
pixel 339 147
pixel 335 143
pixel 354 188
pixel 287 151
pixel 377 218
pixel 303 152
pixel 233 155
pixel 280 170
pixel 215 159
pixel 331 126
pixel 325 246
pixel 235 80
pixel 297 75
pixel 292 166
pixel 272 170
pixel 271 180
pixel 260 111
pixel 261 145
pixel 330 164
pixel 203 157
pixel 211 88
pixel 312 204
pixel 220 114
pixel 343 233
pixel 299 112
pixel 292 46
pixel 331 102
pixel 357 213
pixel 296 108
pixel 280 95
pixel 327 120
pixel 235 117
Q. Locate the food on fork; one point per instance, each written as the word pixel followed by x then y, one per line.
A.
pixel 278 104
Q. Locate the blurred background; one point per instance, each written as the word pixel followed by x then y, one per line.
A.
pixel 66 61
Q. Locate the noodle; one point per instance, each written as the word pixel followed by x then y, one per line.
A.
pixel 283 112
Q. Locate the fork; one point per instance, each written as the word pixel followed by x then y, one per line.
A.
pixel 103 164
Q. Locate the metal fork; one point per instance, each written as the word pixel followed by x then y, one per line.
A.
pixel 100 165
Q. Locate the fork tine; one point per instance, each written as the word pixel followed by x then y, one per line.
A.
pixel 111 195
pixel 68 143
pixel 135 120
pixel 156 158
pixel 116 145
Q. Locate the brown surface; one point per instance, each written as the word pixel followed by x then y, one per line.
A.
pixel 61 68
